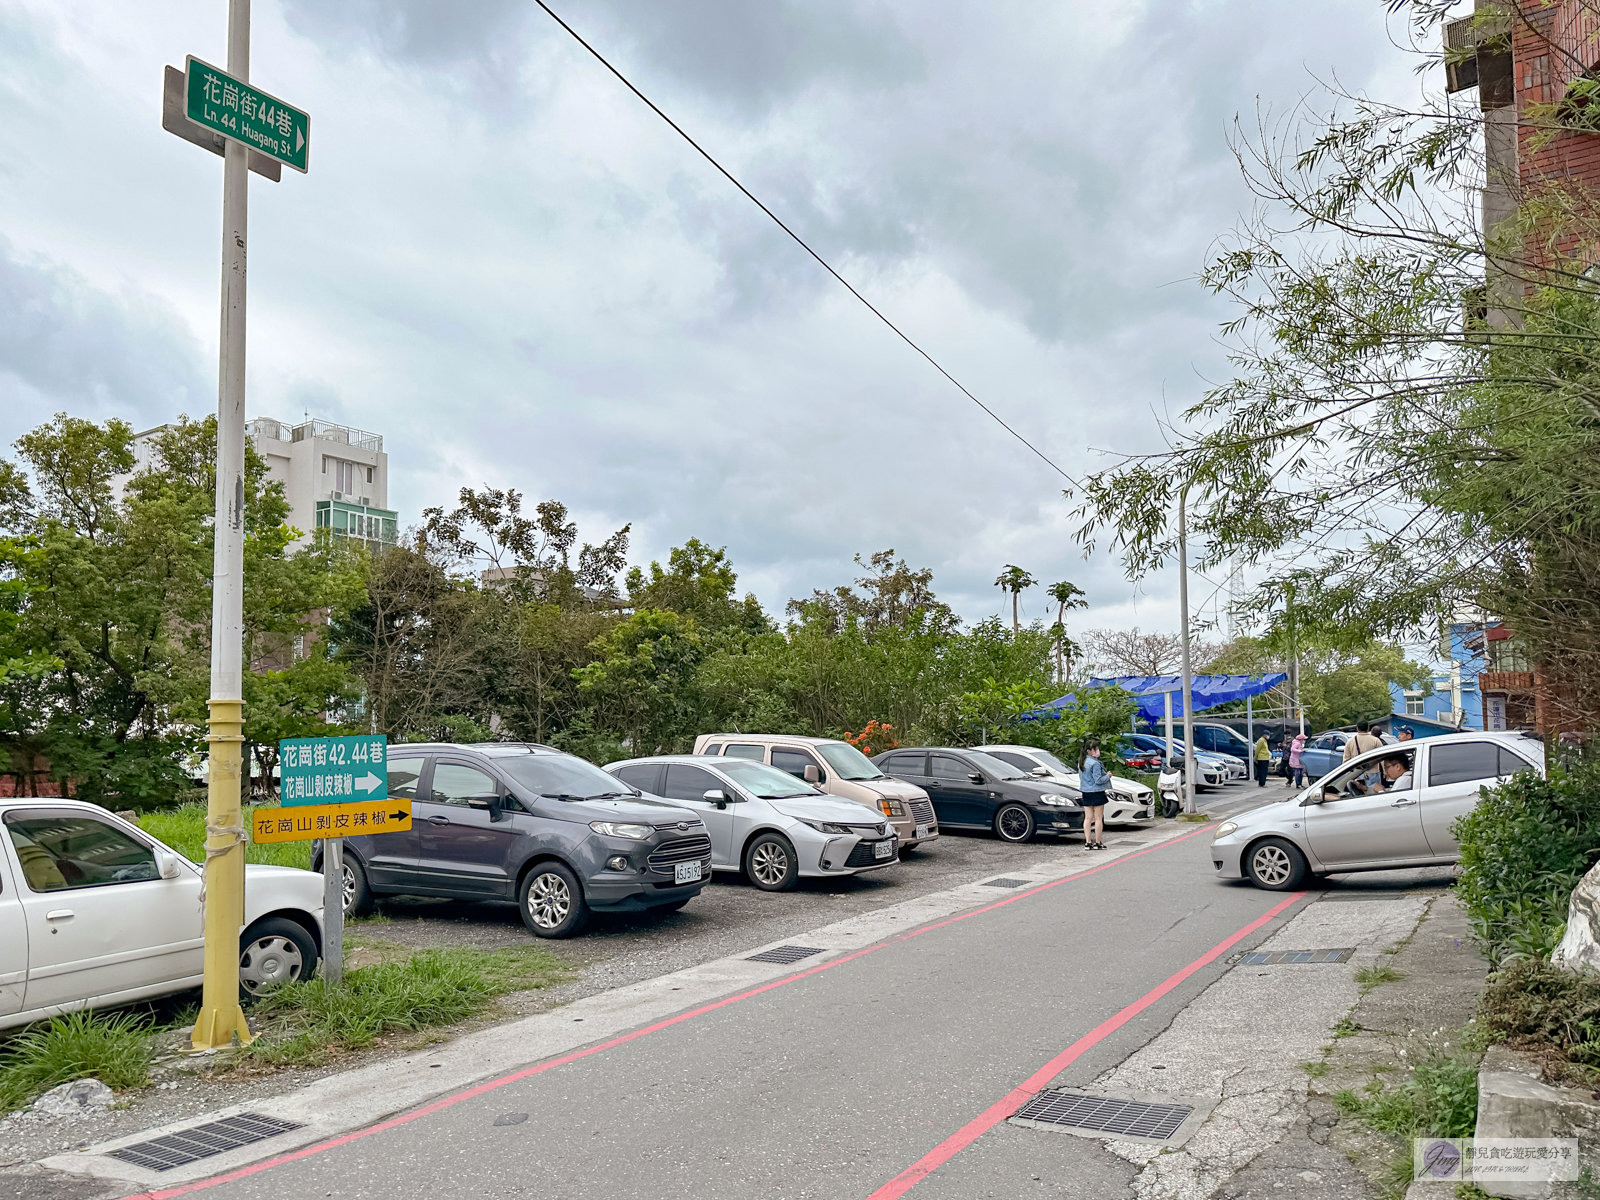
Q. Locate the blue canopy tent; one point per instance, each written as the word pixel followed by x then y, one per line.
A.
pixel 1207 691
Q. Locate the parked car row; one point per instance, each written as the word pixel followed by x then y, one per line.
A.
pixel 95 911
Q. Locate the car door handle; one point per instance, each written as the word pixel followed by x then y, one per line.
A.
pixel 59 914
pixel 438 820
pixel 1402 803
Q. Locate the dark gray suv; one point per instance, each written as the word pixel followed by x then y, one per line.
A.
pixel 529 824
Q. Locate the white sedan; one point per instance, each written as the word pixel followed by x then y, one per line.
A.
pixel 95 912
pixel 1130 801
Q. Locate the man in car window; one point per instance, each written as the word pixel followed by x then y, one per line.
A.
pixel 1394 773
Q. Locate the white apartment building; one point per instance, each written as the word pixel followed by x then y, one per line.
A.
pixel 334 477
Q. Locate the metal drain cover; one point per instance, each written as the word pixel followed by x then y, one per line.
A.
pixel 1107 1115
pixel 190 1145
pixel 785 954
pixel 1272 958
pixel 1007 883
pixel 1347 896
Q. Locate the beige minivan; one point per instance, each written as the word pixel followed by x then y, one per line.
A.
pixel 839 769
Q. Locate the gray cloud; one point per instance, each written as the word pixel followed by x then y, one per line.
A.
pixel 74 346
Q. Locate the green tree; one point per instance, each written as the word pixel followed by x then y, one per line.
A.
pixel 643 682
pixel 1066 595
pixel 698 582
pixel 1014 580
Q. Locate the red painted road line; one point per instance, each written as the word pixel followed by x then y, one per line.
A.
pixel 1030 1087
pixel 183 1189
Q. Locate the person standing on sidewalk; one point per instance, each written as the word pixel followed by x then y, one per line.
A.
pixel 1263 760
pixel 1094 781
pixel 1363 741
pixel 1297 763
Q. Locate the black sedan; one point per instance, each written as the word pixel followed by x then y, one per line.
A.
pixel 973 790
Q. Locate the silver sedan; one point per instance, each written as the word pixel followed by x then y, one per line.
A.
pixel 1390 807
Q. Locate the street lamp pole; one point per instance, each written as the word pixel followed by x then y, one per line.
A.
pixel 1188 670
pixel 221 1020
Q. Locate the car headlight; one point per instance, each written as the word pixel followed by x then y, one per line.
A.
pixel 1057 800
pixel 825 826
pixel 621 829
pixel 891 808
pixel 1225 829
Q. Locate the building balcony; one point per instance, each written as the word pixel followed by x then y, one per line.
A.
pixel 1505 681
pixel 378 527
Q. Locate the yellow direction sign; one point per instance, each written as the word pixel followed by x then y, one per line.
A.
pixel 306 822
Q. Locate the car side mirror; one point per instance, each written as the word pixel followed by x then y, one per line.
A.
pixel 1041 772
pixel 490 801
pixel 716 796
pixel 810 773
pixel 1314 798
pixel 975 777
pixel 167 864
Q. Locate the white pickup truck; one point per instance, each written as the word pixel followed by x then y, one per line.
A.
pixel 95 912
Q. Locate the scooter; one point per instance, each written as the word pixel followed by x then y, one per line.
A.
pixel 1169 787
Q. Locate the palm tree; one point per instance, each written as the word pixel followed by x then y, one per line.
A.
pixel 1013 580
pixel 1067 595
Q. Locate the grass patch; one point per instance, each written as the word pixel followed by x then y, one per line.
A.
pixel 1315 1069
pixel 308 1023
pixel 1347 1026
pixel 1197 817
pixel 184 829
pixel 1438 1098
pixel 1531 1002
pixel 1372 977
pixel 114 1049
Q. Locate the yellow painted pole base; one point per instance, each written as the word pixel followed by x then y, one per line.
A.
pixel 221 1020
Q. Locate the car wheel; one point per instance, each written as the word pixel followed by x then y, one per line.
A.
pixel 272 952
pixel 357 895
pixel 1014 823
pixel 551 902
pixel 1276 864
pixel 770 863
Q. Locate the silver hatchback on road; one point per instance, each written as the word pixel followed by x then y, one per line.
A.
pixel 1390 807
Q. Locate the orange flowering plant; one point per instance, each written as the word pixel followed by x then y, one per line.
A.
pixel 879 734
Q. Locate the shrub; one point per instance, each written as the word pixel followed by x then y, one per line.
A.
pixel 1530 1000
pixel 1523 849
pixel 113 1049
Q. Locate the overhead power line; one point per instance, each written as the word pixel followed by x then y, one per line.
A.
pixel 800 241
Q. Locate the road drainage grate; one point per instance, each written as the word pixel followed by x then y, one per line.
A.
pixel 785 954
pixel 1007 883
pixel 1272 958
pixel 1348 896
pixel 1105 1114
pixel 190 1145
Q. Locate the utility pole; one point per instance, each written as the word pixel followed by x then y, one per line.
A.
pixel 1188 672
pixel 221 1020
pixel 220 111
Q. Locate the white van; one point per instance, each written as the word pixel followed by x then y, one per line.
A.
pixel 839 769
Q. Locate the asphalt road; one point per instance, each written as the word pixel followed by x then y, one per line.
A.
pixel 834 1084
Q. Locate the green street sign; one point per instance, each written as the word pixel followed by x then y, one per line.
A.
pixel 218 101
pixel 332 770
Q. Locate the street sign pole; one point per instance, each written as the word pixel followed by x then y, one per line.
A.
pixel 333 909
pixel 221 1020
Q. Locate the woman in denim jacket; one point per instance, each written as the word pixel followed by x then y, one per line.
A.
pixel 1093 781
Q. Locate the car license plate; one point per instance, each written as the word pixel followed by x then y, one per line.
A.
pixel 921 831
pixel 883 849
pixel 686 873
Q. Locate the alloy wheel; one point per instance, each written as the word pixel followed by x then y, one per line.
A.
pixel 769 863
pixel 1014 824
pixel 267 961
pixel 549 901
pixel 1271 865
pixel 349 874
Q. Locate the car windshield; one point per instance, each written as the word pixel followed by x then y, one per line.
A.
pixel 768 783
pixel 994 766
pixel 848 762
pixel 1049 760
pixel 563 776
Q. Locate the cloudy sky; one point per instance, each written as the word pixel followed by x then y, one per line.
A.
pixel 505 264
